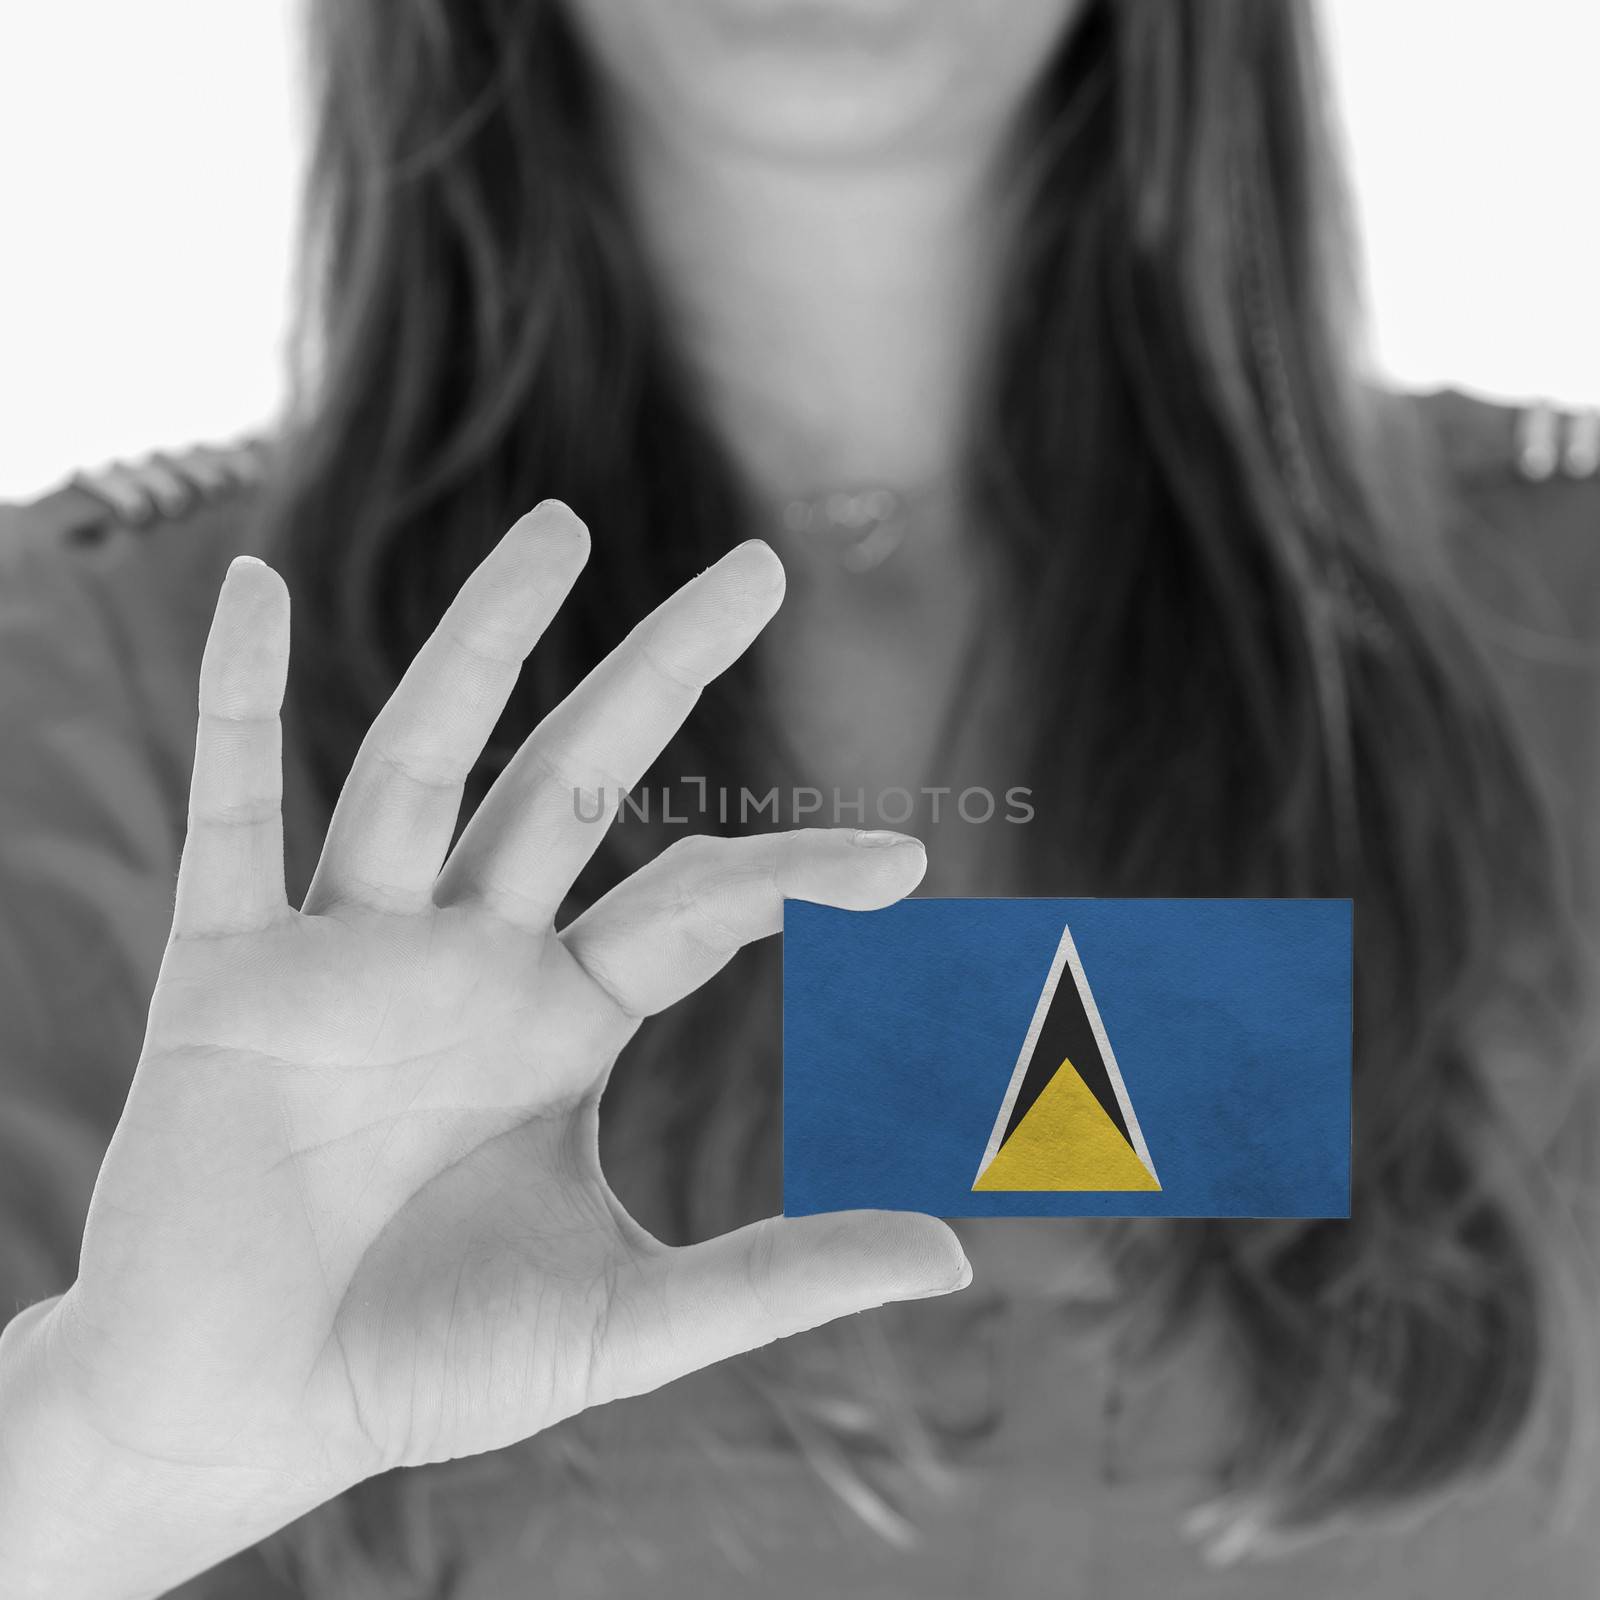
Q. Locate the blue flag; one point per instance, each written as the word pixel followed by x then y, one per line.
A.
pixel 976 1058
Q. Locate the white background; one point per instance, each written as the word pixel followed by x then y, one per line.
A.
pixel 149 157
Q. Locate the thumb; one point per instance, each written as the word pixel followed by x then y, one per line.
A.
pixel 690 1307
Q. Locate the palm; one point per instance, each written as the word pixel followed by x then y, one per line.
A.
pixel 434 1119
pixel 354 1213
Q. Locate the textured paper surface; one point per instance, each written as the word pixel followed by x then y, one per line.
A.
pixel 1224 1026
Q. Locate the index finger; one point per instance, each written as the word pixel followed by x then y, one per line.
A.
pixel 398 808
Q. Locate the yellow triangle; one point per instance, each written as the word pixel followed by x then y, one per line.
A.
pixel 1066 1141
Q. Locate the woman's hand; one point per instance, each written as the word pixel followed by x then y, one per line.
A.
pixel 353 1215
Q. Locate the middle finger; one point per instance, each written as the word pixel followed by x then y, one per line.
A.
pixel 548 811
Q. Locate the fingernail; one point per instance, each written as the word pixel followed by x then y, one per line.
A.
pixel 747 548
pixel 238 567
pixel 881 839
pixel 742 560
pixel 555 517
pixel 963 1278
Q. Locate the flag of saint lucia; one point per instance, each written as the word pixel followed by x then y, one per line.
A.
pixel 1069 1058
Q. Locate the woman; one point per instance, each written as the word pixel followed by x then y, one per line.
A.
pixel 1058 308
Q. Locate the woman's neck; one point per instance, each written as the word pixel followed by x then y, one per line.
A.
pixel 834 315
pixel 832 311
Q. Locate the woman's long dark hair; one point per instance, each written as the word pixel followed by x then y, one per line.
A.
pixel 1240 627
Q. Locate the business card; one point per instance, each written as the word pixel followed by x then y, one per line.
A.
pixel 972 1058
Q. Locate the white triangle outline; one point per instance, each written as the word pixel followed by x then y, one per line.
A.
pixel 1066 958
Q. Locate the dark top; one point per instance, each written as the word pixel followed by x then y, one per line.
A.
pixel 106 592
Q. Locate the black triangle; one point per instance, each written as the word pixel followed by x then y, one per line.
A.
pixel 1067 1036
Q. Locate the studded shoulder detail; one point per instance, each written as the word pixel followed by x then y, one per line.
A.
pixel 162 487
pixel 1487 442
pixel 173 483
pixel 1549 439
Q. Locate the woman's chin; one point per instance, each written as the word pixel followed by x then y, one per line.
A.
pixel 821 77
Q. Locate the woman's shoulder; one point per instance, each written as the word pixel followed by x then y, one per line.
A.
pixel 161 508
pixel 107 589
pixel 107 582
pixel 1523 482
pixel 1522 529
pixel 1499 444
pixel 107 586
